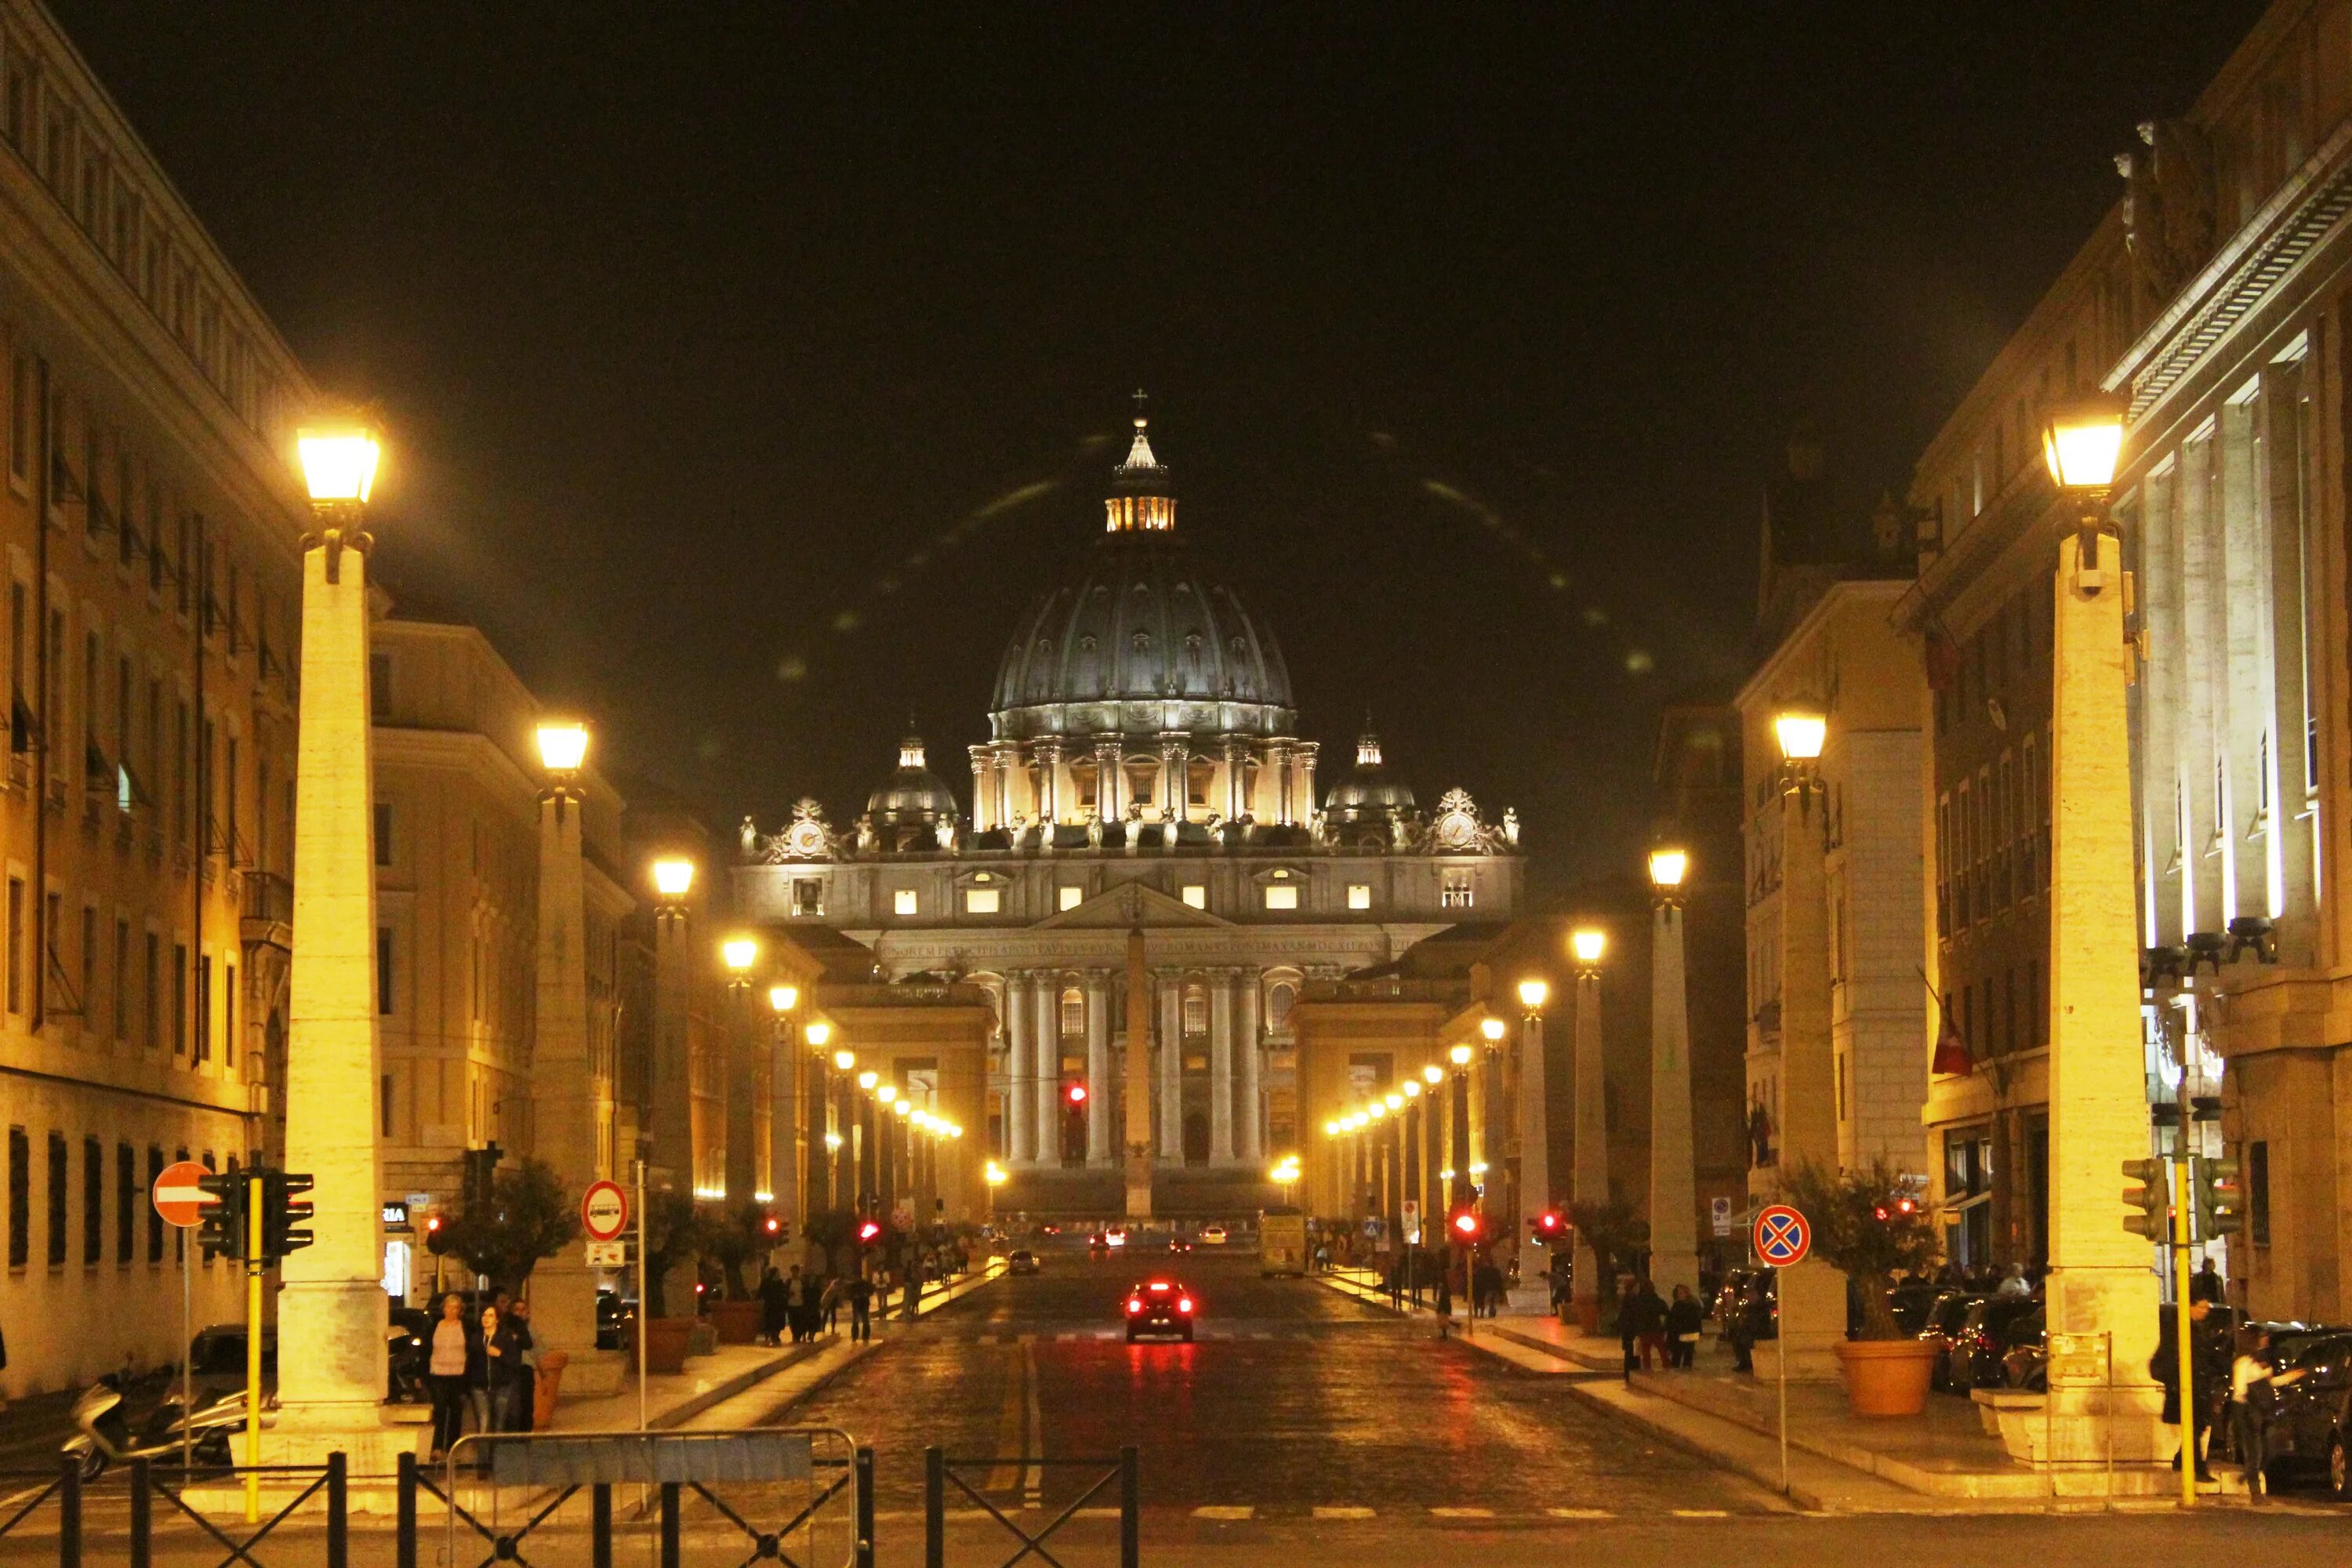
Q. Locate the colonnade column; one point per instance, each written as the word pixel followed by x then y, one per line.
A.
pixel 1099 1070
pixel 1019 1105
pixel 1221 1066
pixel 1172 1066
pixel 1302 784
pixel 1175 786
pixel 1278 761
pixel 1236 805
pixel 1049 779
pixel 1049 1070
pixel 981 820
pixel 1107 803
pixel 1253 1148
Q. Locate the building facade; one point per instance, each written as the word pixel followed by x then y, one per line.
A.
pixel 1144 772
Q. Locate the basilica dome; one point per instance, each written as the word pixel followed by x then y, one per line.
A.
pixel 1369 792
pixel 913 796
pixel 1143 641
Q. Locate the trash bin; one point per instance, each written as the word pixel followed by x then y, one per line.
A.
pixel 551 1378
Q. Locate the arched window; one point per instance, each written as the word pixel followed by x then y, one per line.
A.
pixel 1278 998
pixel 1196 1011
pixel 1074 1011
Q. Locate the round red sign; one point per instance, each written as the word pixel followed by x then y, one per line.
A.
pixel 176 1195
pixel 604 1211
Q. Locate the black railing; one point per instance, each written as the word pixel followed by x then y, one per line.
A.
pixel 939 1470
pixel 332 1479
pixel 62 1487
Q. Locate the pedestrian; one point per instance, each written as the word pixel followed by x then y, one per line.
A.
pixel 1651 1308
pixel 445 1370
pixel 480 1375
pixel 1322 1258
pixel 503 1340
pixel 1685 1320
pixel 914 1287
pixel 1629 1327
pixel 860 1291
pixel 1488 1276
pixel 775 1308
pixel 1558 1274
pixel 2253 1378
pixel 2191 1409
pixel 2014 1283
pixel 1738 1328
pixel 828 1305
pixel 1444 1299
pixel 526 1372
pixel 2205 1285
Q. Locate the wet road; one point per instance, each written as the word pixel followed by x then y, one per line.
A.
pixel 1292 1400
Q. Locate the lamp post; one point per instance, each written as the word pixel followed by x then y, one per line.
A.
pixel 564 1095
pixel 330 1305
pixel 747 1113
pixel 1591 1188
pixel 816 1116
pixel 1492 1120
pixel 2099 1278
pixel 861 1142
pixel 670 1118
pixel 788 1066
pixel 1813 1294
pixel 1435 1107
pixel 1457 1139
pixel 1673 1182
pixel 1535 1152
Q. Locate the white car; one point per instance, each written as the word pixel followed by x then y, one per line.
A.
pixel 1213 1235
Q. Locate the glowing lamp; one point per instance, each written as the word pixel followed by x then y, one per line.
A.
pixel 1412 1089
pixel 902 1109
pixel 1376 1110
pixel 818 1032
pixel 1667 866
pixel 673 877
pixel 1077 1094
pixel 2082 440
pixel 1587 943
pixel 739 953
pixel 1459 1056
pixel 562 746
pixel 1393 1101
pixel 783 998
pixel 339 462
pixel 886 1093
pixel 867 1079
pixel 1432 1075
pixel 1533 994
pixel 1331 1129
pixel 1801 733
pixel 843 1060
pixel 1493 1029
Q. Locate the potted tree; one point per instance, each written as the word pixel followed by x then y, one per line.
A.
pixel 1617 1238
pixel 674 1237
pixel 737 1237
pixel 524 1220
pixel 1867 1223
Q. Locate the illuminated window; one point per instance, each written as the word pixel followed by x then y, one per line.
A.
pixel 1359 895
pixel 1281 896
pixel 1196 895
pixel 983 900
pixel 1071 898
pixel 903 902
pixel 1196 1012
pixel 1073 1012
pixel 1454 893
pixel 808 896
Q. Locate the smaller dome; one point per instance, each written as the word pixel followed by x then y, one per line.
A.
pixel 1368 792
pixel 913 796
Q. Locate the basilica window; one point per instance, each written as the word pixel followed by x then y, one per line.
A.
pixel 1196 1012
pixel 808 896
pixel 1070 896
pixel 1454 891
pixel 1073 1012
pixel 1282 895
pixel 1278 998
pixel 1359 895
pixel 1195 894
pixel 983 900
pixel 903 902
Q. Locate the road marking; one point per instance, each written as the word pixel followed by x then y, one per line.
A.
pixel 1580 1514
pixel 1702 1513
pixel 1261 1336
pixel 1096 1513
pixel 1005 1477
pixel 1462 1512
pixel 1223 1511
pixel 1342 1511
pixel 1033 1482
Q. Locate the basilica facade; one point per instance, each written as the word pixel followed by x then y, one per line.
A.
pixel 1144 881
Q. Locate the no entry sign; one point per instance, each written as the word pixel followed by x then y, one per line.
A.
pixel 604 1211
pixel 178 1198
pixel 1782 1236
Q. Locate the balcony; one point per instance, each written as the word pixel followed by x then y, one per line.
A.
pixel 268 910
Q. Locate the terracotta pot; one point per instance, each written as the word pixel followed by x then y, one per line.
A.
pixel 544 1386
pixel 1887 1377
pixel 665 1343
pixel 737 1322
pixel 1588 1317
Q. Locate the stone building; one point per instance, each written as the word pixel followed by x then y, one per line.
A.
pixel 150 516
pixel 1144 771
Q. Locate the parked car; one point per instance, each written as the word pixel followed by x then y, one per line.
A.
pixel 2307 1415
pixel 1021 1260
pixel 2025 1363
pixel 616 1322
pixel 1911 1301
pixel 1949 1311
pixel 1974 1359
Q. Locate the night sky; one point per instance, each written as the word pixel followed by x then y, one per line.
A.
pixel 750 369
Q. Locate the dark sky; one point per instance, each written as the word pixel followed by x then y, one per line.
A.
pixel 1470 331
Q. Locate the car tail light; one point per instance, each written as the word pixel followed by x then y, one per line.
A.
pixel 1183 1303
pixel 1134 1304
pixel 1160 1287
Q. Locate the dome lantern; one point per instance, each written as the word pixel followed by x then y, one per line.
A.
pixel 1143 500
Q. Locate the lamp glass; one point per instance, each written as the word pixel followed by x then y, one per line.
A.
pixel 738 953
pixel 1433 1075
pixel 2082 440
pixel 1376 1110
pixel 819 1032
pixel 1800 734
pixel 1459 1056
pixel 1668 867
pixel 902 1109
pixel 1534 993
pixel 1412 1089
pixel 1493 1029
pixel 562 746
pixel 673 877
pixel 1393 1101
pixel 1331 1129
pixel 867 1079
pixel 1587 943
pixel 886 1093
pixel 338 465
pixel 783 998
pixel 843 1060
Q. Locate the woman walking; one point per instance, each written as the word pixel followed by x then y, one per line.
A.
pixel 1685 1320
pixel 445 1370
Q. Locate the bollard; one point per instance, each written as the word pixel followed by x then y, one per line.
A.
pixel 69 1513
pixel 669 1524
pixel 338 1511
pixel 403 1549
pixel 935 1507
pixel 600 1525
pixel 1131 1510
pixel 863 1462
pixel 143 1522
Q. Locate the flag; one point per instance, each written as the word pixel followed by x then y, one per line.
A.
pixel 1952 1055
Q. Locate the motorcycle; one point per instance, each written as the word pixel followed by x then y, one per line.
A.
pixel 107 1435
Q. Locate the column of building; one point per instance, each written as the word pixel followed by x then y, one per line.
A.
pixel 1302 784
pixel 1236 801
pixel 1048 756
pixel 1221 1066
pixel 1108 806
pixel 1098 1096
pixel 1172 1066
pixel 982 817
pixel 1175 786
pixel 1048 1090
pixel 1253 1108
pixel 1020 1107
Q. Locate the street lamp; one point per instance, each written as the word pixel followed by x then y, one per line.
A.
pixel 867 1079
pixel 1812 1295
pixel 673 878
pixel 1589 1179
pixel 1801 733
pixel 1433 1075
pixel 562 747
pixel 1534 993
pixel 1534 1178
pixel 1460 1057
pixel 739 953
pixel 843 1061
pixel 1587 943
pixel 1674 1181
pixel 818 1033
pixel 564 1095
pixel 1668 865
pixel 784 998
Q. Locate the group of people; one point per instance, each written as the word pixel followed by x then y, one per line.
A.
pixel 802 1306
pixel 2234 1376
pixel 1652 1329
pixel 486 1366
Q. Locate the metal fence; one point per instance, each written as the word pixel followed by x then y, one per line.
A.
pixel 939 1472
pixel 160 1515
pixel 803 1496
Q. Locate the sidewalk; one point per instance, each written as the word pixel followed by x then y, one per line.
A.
pixel 1942 1459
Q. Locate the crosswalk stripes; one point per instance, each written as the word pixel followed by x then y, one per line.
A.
pixel 1461 1513
pixel 1225 1512
pixel 1702 1513
pixel 1580 1514
pixel 1342 1511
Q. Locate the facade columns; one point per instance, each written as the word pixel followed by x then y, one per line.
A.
pixel 1020 1102
pixel 1302 790
pixel 563 1092
pixel 1172 1066
pixel 1535 1128
pixel 1592 1148
pixel 1237 801
pixel 1813 1294
pixel 1673 1189
pixel 1175 780
pixel 1277 763
pixel 1048 756
pixel 1253 1110
pixel 671 1116
pixel 983 818
pixel 1221 1066
pixel 1109 793
pixel 1099 1070
pixel 1049 1070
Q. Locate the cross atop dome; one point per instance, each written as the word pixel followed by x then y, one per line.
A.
pixel 1143 500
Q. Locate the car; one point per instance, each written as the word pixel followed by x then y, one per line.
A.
pixel 1021 1260
pixel 1178 1244
pixel 2024 1364
pixel 1944 1319
pixel 1114 1237
pixel 1214 1236
pixel 1974 1359
pixel 2306 1414
pixel 1159 1306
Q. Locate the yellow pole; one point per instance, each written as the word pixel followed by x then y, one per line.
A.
pixel 2184 1325
pixel 252 1349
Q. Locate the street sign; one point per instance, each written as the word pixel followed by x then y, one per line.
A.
pixel 604 1211
pixel 1409 1213
pixel 178 1198
pixel 1782 1236
pixel 608 1255
pixel 1720 1211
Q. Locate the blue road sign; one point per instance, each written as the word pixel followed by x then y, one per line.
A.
pixel 1782 1236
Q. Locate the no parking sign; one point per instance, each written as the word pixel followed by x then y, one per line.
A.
pixel 1782 1236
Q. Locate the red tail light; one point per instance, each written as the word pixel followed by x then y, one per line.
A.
pixel 1183 1303
pixel 1134 1304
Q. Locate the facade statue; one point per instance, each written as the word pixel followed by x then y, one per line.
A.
pixel 750 839
pixel 947 825
pixel 1511 827
pixel 1093 828
pixel 866 840
pixel 2170 208
pixel 1216 824
pixel 1318 828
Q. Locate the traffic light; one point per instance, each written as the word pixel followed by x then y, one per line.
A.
pixel 2220 1197
pixel 1076 1093
pixel 285 1214
pixel 226 1222
pixel 2154 1220
pixel 1548 1227
pixel 1468 1228
pixel 437 1240
pixel 869 1232
pixel 773 1227
pixel 481 1175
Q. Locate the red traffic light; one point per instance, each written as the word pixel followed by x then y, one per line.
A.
pixel 1078 1093
pixel 1549 1224
pixel 774 1225
pixel 1465 1226
pixel 866 1231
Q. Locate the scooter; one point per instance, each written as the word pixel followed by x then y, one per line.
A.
pixel 107 1435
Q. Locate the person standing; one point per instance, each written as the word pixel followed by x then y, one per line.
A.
pixel 2254 1376
pixel 2190 1409
pixel 1685 1321
pixel 860 1291
pixel 445 1370
pixel 828 1306
pixel 504 1340
pixel 775 1313
pixel 914 1285
pixel 1629 1326
pixel 482 1373
pixel 1650 1310
pixel 525 1369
